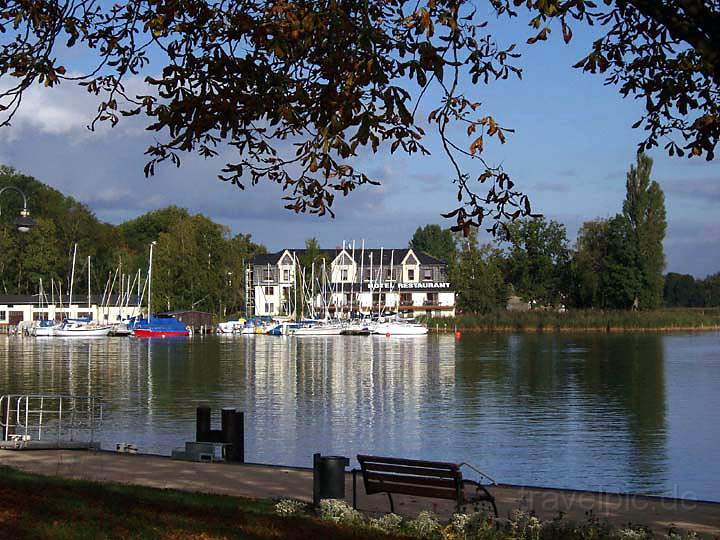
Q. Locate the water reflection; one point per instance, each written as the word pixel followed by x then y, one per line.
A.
pixel 584 411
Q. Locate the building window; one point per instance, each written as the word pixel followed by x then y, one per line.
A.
pixel 388 273
pixel 268 274
pixel 269 291
pixel 286 275
pixel 269 308
pixel 427 274
pixel 432 299
pixel 406 299
pixel 411 274
pixel 343 274
pixel 3 315
pixel 367 274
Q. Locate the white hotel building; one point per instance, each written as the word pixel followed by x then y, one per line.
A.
pixel 367 281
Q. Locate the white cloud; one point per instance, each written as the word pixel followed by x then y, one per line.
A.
pixel 66 109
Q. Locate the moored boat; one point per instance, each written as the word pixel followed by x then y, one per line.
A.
pixel 81 328
pixel 397 327
pixel 159 326
pixel 320 329
pixel 44 328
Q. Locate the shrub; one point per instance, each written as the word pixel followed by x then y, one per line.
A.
pixel 290 507
pixel 426 525
pixel 387 523
pixel 340 512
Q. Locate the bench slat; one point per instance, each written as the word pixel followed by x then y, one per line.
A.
pixel 392 479
pixel 404 489
pixel 408 469
pixel 411 462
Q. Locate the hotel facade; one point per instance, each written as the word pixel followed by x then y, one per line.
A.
pixel 343 281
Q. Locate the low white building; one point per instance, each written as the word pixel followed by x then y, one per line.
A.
pixel 343 281
pixel 17 308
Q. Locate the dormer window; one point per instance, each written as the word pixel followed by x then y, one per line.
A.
pixel 411 274
pixel 427 274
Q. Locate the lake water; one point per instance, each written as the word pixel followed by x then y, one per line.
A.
pixel 632 413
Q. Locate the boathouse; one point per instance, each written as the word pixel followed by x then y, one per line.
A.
pixel 17 308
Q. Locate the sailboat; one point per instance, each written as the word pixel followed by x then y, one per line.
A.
pixel 81 327
pixel 159 325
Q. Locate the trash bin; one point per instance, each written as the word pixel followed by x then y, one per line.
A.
pixel 328 477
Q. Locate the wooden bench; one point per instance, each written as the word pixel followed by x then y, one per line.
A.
pixel 433 479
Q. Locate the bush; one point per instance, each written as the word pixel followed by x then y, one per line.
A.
pixel 290 507
pixel 340 512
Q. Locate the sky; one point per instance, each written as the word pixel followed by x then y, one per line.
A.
pixel 572 146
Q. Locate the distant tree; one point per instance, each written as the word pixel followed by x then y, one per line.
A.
pixel 644 209
pixel 537 260
pixel 682 290
pixel 188 269
pixel 435 241
pixel 41 256
pixel 588 264
pixel 478 280
pixel 711 290
pixel 622 279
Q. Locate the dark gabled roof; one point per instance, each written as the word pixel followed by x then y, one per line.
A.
pixel 397 256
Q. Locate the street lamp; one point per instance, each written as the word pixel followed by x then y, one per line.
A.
pixel 24 222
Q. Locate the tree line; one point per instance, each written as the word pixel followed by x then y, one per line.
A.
pixel 198 264
pixel 616 263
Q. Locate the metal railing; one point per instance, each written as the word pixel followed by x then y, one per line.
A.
pixel 49 417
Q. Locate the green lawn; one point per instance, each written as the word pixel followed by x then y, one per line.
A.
pixel 33 506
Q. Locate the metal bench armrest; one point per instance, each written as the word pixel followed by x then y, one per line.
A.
pixel 465 464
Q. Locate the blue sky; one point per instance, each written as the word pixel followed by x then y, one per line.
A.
pixel 572 147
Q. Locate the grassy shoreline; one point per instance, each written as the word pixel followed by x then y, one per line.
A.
pixel 35 506
pixel 661 320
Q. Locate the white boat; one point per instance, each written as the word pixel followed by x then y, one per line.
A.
pixel 75 328
pixel 44 329
pixel 398 328
pixel 121 329
pixel 320 329
pixel 231 327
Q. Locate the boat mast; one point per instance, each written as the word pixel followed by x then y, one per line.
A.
pixel 362 269
pixel 371 284
pixel 150 282
pixel 72 276
pixel 380 281
pixel 352 282
pixel 88 281
pixel 342 283
pixel 295 276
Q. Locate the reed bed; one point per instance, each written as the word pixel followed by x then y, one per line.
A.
pixel 671 319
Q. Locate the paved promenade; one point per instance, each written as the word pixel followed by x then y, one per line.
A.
pixel 260 481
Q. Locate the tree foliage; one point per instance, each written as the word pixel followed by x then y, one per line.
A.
pixel 622 279
pixel 644 209
pixel 434 240
pixel 683 290
pixel 537 259
pixel 300 89
pixel 588 264
pixel 478 280
pixel 198 263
